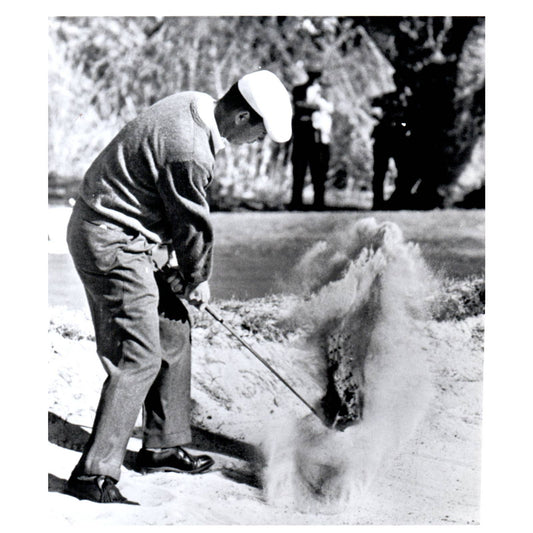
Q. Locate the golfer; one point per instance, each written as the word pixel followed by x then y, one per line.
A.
pixel 141 238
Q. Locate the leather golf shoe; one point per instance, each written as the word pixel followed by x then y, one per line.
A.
pixel 100 489
pixel 172 460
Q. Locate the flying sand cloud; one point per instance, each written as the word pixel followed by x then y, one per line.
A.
pixel 367 295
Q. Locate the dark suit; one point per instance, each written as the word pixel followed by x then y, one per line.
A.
pixel 308 151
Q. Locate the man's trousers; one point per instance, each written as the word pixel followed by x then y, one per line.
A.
pixel 308 152
pixel 143 340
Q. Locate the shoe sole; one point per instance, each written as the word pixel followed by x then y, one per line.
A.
pixel 152 470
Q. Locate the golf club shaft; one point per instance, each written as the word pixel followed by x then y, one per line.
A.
pixel 220 320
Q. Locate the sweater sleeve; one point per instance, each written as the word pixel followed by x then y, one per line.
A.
pixel 182 187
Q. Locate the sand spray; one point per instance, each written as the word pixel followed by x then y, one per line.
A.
pixel 311 467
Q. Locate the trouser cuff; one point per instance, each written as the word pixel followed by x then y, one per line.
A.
pixel 167 441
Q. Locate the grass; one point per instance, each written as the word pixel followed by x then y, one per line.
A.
pixel 254 250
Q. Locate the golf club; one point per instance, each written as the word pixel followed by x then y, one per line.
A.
pixel 220 320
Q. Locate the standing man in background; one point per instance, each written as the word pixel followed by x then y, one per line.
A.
pixel 311 138
pixel 391 140
pixel 141 237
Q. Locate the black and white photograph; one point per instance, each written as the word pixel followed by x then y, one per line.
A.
pixel 266 269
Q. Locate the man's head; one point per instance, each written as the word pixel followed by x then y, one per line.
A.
pixel 258 104
pixel 314 68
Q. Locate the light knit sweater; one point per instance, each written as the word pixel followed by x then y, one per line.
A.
pixel 152 178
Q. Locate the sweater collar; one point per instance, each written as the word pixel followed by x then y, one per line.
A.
pixel 205 106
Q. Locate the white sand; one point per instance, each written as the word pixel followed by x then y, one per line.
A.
pixel 433 477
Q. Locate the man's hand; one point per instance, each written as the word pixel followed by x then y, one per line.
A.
pixel 176 282
pixel 198 295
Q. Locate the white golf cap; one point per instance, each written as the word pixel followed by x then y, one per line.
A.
pixel 268 97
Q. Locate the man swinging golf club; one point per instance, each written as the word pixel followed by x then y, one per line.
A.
pixel 140 235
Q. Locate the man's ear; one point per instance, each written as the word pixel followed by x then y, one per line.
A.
pixel 242 117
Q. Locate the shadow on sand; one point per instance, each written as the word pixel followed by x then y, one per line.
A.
pixel 74 437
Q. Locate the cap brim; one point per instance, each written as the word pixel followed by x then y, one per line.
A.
pixel 278 128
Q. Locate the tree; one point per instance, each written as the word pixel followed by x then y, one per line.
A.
pixel 439 71
pixel 105 70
